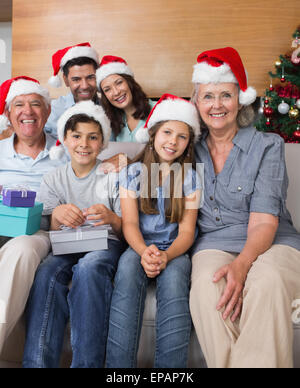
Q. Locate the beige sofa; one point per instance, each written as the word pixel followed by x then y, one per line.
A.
pixel 12 353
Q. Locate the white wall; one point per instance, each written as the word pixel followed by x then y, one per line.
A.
pixel 5 50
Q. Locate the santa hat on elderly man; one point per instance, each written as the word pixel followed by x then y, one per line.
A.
pixel 61 57
pixel 18 86
pixel 169 108
pixel 111 64
pixel 89 109
pixel 224 65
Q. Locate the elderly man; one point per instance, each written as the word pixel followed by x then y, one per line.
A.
pixel 24 159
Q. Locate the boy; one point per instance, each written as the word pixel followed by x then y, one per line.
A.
pixel 73 194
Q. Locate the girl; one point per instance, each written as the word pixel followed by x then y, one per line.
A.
pixel 123 99
pixel 85 131
pixel 159 228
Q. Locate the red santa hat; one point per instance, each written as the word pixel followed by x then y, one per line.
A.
pixel 61 57
pixel 89 109
pixel 18 86
pixel 170 107
pixel 111 64
pixel 224 65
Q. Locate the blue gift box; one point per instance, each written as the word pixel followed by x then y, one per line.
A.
pixel 18 198
pixel 17 221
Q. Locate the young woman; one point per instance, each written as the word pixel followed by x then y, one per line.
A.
pixel 123 99
pixel 159 200
pixel 85 130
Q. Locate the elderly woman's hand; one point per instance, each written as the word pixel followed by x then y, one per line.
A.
pixel 235 275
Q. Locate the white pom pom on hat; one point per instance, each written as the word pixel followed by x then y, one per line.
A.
pixel 109 65
pixel 89 109
pixel 169 108
pixel 18 86
pixel 61 57
pixel 224 65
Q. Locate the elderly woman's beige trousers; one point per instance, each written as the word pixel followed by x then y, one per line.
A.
pixel 263 336
pixel 19 259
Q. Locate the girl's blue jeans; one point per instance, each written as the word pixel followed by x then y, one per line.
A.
pixel 51 304
pixel 173 321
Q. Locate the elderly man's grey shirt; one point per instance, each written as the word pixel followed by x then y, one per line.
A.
pixel 254 179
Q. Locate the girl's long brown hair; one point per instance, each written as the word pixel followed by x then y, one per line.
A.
pixel 140 102
pixel 176 202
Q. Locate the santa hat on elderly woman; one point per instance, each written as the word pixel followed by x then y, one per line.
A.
pixel 111 64
pixel 18 86
pixel 224 65
pixel 89 109
pixel 61 57
pixel 169 108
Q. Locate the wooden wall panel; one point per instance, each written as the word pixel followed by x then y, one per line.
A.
pixel 160 39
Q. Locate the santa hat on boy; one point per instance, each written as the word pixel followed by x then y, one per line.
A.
pixel 61 57
pixel 224 65
pixel 83 107
pixel 111 64
pixel 170 107
pixel 18 86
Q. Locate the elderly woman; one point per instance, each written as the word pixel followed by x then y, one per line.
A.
pixel 246 262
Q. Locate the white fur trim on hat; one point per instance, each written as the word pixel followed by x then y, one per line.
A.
pixel 177 110
pixel 79 51
pixel 112 68
pixel 4 123
pixel 248 96
pixel 23 86
pixel 206 74
pixel 55 81
pixel 142 135
pixel 90 109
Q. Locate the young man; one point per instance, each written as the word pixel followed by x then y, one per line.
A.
pixel 78 64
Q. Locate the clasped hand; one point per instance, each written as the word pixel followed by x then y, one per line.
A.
pixel 154 261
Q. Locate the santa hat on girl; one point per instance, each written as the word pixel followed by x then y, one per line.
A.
pixel 61 57
pixel 83 107
pixel 111 64
pixel 18 86
pixel 224 65
pixel 170 107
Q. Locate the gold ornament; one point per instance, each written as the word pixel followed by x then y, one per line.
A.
pixel 293 113
pixel 278 63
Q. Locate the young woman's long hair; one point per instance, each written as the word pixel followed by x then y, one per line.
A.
pixel 149 181
pixel 140 102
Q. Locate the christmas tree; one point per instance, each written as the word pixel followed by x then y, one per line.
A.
pixel 280 108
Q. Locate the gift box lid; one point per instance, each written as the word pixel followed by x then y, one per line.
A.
pixel 81 233
pixel 18 193
pixel 21 211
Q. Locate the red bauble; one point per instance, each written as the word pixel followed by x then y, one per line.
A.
pixel 297 134
pixel 268 123
pixel 271 88
pixel 268 111
pixel 266 101
pixel 282 79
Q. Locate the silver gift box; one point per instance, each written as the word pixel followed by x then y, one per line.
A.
pixel 81 239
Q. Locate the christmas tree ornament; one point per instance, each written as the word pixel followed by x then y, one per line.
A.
pixel 298 103
pixel 297 132
pixel 268 111
pixel 278 63
pixel 283 108
pixel 261 108
pixel 271 88
pixel 266 101
pixel 268 122
pixel 293 113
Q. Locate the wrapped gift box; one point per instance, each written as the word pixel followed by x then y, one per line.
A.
pixel 18 198
pixel 17 221
pixel 81 239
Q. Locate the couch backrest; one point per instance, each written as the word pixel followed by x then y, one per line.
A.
pixel 292 156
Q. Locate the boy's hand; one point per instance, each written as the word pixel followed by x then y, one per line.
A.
pixel 99 212
pixel 68 215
